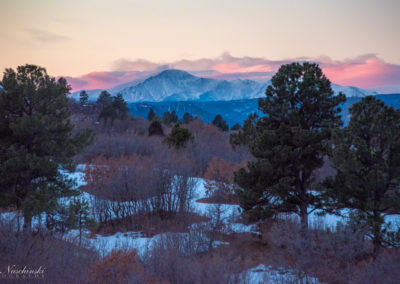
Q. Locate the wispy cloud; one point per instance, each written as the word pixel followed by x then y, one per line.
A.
pixel 365 71
pixel 45 36
pixel 105 80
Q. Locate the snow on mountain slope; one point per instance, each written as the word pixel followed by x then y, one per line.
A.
pixel 178 85
pixel 352 91
pixel 169 85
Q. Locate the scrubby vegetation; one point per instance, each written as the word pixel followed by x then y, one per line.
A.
pixel 143 179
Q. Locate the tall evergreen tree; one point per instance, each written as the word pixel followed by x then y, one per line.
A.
pixel 108 112
pixel 187 117
pixel 166 119
pixel 112 107
pixel 236 127
pixel 173 117
pixel 179 137
pixel 83 98
pixel 155 128
pixel 220 123
pixel 105 99
pixel 79 217
pixel 366 155
pixel 36 140
pixel 289 142
pixel 120 106
pixel 151 115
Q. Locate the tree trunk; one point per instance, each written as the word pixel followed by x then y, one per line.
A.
pixel 27 228
pixel 377 239
pixel 377 247
pixel 304 227
pixel 304 219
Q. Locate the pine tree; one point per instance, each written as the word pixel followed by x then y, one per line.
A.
pixel 366 155
pixel 289 142
pixel 83 98
pixel 166 119
pixel 151 115
pixel 179 137
pixel 79 217
pixel 173 117
pixel 104 99
pixel 108 112
pixel 155 128
pixel 236 127
pixel 220 123
pixel 120 106
pixel 187 117
pixel 36 140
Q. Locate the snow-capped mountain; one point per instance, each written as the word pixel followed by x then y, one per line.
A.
pixel 352 91
pixel 178 85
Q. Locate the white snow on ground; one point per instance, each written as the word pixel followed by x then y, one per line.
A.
pixel 268 274
pixel 242 228
pixel 320 220
pixel 229 214
pixel 134 240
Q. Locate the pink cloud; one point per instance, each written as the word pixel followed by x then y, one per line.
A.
pixel 370 73
pixel 103 80
pixel 366 71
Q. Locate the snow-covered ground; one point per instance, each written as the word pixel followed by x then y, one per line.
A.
pixel 268 274
pixel 135 240
pixel 195 239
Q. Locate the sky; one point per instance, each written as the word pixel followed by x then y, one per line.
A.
pixel 99 44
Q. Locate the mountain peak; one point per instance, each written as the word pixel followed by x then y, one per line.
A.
pixel 174 73
pixel 179 85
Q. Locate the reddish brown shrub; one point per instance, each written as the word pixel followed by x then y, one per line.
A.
pixel 120 267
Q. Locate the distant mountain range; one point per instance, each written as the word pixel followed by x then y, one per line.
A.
pixel 178 86
pixel 235 111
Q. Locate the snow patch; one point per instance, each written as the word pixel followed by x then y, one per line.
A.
pixel 268 274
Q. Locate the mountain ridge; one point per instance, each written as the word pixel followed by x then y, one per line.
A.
pixel 179 85
pixel 235 111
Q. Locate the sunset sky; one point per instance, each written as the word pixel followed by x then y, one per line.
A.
pixel 98 44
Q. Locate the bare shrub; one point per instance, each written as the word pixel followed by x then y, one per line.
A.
pixel 139 185
pixel 120 267
pixel 219 180
pixel 331 255
pixel 62 261
pixel 385 269
pixel 209 142
pixel 171 260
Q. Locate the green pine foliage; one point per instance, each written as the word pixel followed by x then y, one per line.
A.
pixel 155 128
pixel 79 217
pixel 220 123
pixel 179 137
pixel 288 143
pixel 166 118
pixel 83 98
pixel 108 112
pixel 366 155
pixel 187 117
pixel 120 106
pixel 112 107
pixel 174 117
pixel 236 127
pixel 104 99
pixel 151 115
pixel 169 117
pixel 36 140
